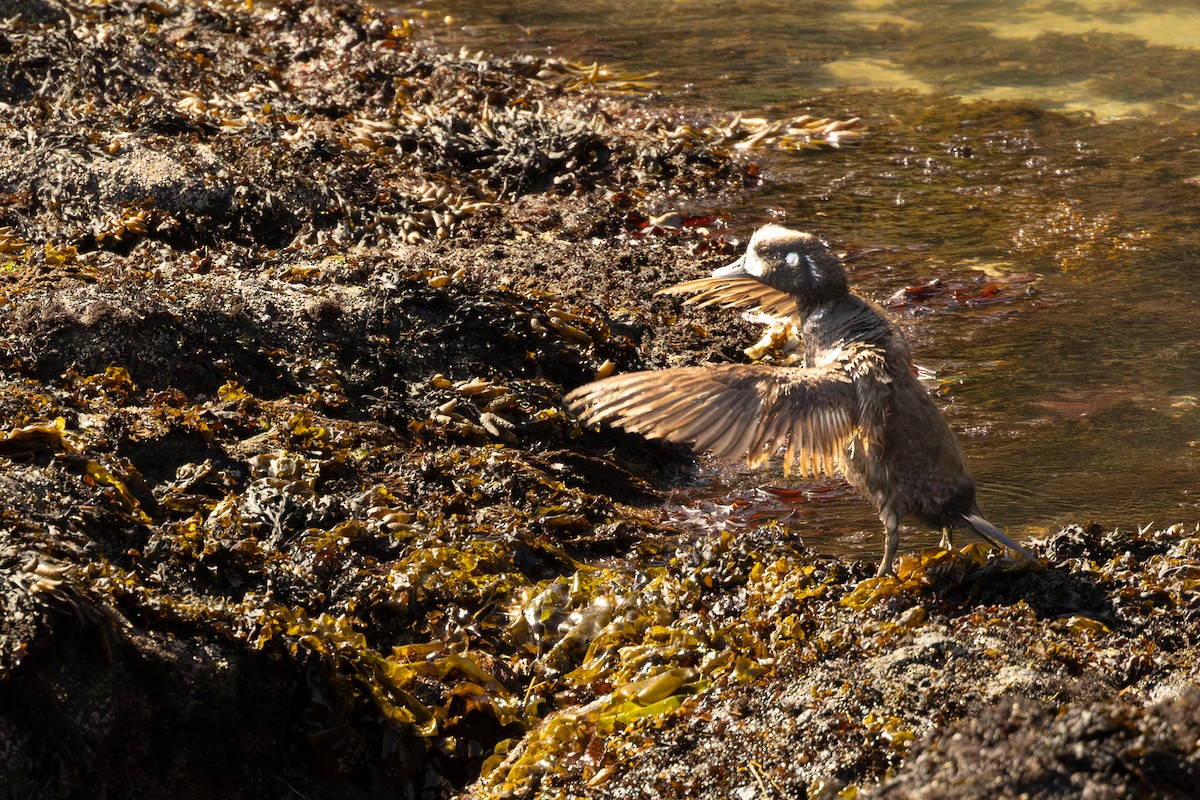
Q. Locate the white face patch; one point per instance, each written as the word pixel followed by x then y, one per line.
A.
pixel 753 264
pixel 792 259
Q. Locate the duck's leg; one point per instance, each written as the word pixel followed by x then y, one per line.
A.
pixel 947 542
pixel 892 525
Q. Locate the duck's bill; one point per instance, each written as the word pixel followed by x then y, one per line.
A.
pixel 735 270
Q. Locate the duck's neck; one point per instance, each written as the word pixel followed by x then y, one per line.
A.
pixel 835 322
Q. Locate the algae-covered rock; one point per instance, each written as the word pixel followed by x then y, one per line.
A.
pixel 291 506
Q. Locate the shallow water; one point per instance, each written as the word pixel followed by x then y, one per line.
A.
pixel 1075 397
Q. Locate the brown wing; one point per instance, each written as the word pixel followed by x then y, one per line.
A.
pixel 735 411
pixel 735 293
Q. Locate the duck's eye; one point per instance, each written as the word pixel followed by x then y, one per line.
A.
pixel 792 259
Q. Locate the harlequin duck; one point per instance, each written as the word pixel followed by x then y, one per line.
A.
pixel 854 406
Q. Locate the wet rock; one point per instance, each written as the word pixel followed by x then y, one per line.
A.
pixel 1023 747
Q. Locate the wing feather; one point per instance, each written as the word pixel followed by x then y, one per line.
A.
pixel 737 411
pixel 697 428
pixel 736 293
pixel 742 426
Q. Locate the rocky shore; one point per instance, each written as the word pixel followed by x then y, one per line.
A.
pixel 290 505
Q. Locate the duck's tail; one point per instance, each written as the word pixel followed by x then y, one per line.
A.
pixel 994 535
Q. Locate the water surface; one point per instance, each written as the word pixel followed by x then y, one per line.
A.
pixel 1058 139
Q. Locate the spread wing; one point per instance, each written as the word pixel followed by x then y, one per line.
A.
pixel 734 410
pixel 735 293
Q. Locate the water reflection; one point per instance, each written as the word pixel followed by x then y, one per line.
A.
pixel 1076 396
pixel 1110 58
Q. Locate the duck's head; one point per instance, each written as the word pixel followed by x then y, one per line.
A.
pixel 790 261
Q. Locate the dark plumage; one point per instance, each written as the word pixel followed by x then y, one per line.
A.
pixel 855 405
